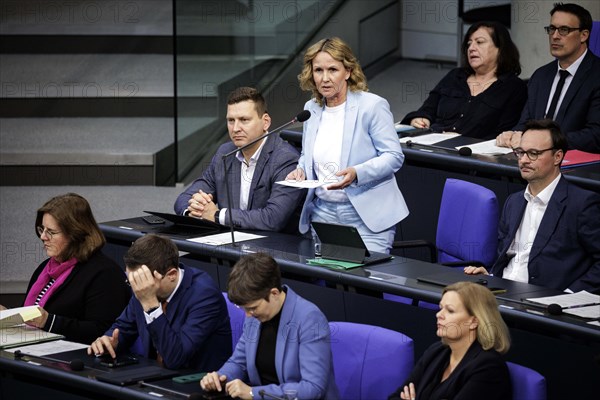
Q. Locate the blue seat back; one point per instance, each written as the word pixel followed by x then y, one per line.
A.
pixel 527 383
pixel 236 319
pixel 595 38
pixel 468 223
pixel 369 362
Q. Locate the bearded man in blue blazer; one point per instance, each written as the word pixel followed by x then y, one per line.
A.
pixel 179 313
pixel 549 234
pixel 577 106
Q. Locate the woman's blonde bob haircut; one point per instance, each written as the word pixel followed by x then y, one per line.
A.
pixel 339 51
pixel 479 302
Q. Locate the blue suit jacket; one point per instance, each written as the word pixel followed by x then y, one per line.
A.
pixel 566 250
pixel 370 144
pixel 579 112
pixel 195 333
pixel 302 355
pixel 270 206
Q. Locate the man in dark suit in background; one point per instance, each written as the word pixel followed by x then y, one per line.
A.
pixel 573 100
pixel 549 234
pixel 178 313
pixel 258 203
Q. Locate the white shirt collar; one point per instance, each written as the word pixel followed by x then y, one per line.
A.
pixel 255 156
pixel 545 195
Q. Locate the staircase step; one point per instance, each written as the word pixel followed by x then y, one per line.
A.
pixel 43 17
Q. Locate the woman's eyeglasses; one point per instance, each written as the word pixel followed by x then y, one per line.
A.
pixel 50 234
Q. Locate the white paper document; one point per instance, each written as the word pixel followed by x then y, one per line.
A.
pixel 584 304
pixel 431 138
pixel 22 334
pixel 16 316
pixel 305 184
pixel 43 349
pixel 220 239
pixel 488 147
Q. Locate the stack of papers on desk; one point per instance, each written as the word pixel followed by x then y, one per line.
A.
pixel 584 304
pixel 224 238
pixel 16 316
pixel 431 138
pixel 13 331
pixel 488 148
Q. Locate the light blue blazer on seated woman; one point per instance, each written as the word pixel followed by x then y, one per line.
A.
pixel 303 358
pixel 370 144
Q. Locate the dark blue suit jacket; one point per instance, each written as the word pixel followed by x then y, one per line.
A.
pixel 270 206
pixel 302 353
pixel 566 249
pixel 195 333
pixel 579 112
pixel 481 374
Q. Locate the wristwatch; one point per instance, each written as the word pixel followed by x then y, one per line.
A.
pixel 217 216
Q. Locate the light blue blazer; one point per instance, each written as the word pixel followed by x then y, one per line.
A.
pixel 302 354
pixel 370 144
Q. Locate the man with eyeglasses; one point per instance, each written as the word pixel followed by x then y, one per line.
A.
pixel 567 89
pixel 549 234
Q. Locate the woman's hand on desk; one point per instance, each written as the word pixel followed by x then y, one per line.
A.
pixel 103 343
pixel 420 123
pixel 296 175
pixel 212 381
pixel 476 271
pixel 511 139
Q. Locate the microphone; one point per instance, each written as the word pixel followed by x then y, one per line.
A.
pixel 264 394
pixel 463 151
pixel 301 117
pixel 556 309
pixel 75 364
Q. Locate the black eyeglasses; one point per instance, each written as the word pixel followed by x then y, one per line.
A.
pixel 532 154
pixel 562 30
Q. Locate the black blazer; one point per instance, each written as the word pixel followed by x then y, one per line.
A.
pixel 481 374
pixel 89 300
pixel 579 112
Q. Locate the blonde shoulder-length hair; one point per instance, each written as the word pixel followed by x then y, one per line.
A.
pixel 479 302
pixel 340 51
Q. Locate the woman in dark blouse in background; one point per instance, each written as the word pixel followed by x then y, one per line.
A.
pixel 483 98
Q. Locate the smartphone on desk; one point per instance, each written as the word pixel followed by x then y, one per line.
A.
pixel 107 361
pixel 153 220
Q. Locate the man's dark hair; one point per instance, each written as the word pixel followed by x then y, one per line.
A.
pixel 158 253
pixel 508 54
pixel 245 93
pixel 559 140
pixel 252 278
pixel 584 16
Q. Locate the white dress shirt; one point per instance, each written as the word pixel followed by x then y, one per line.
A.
pixel 520 248
pixel 572 71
